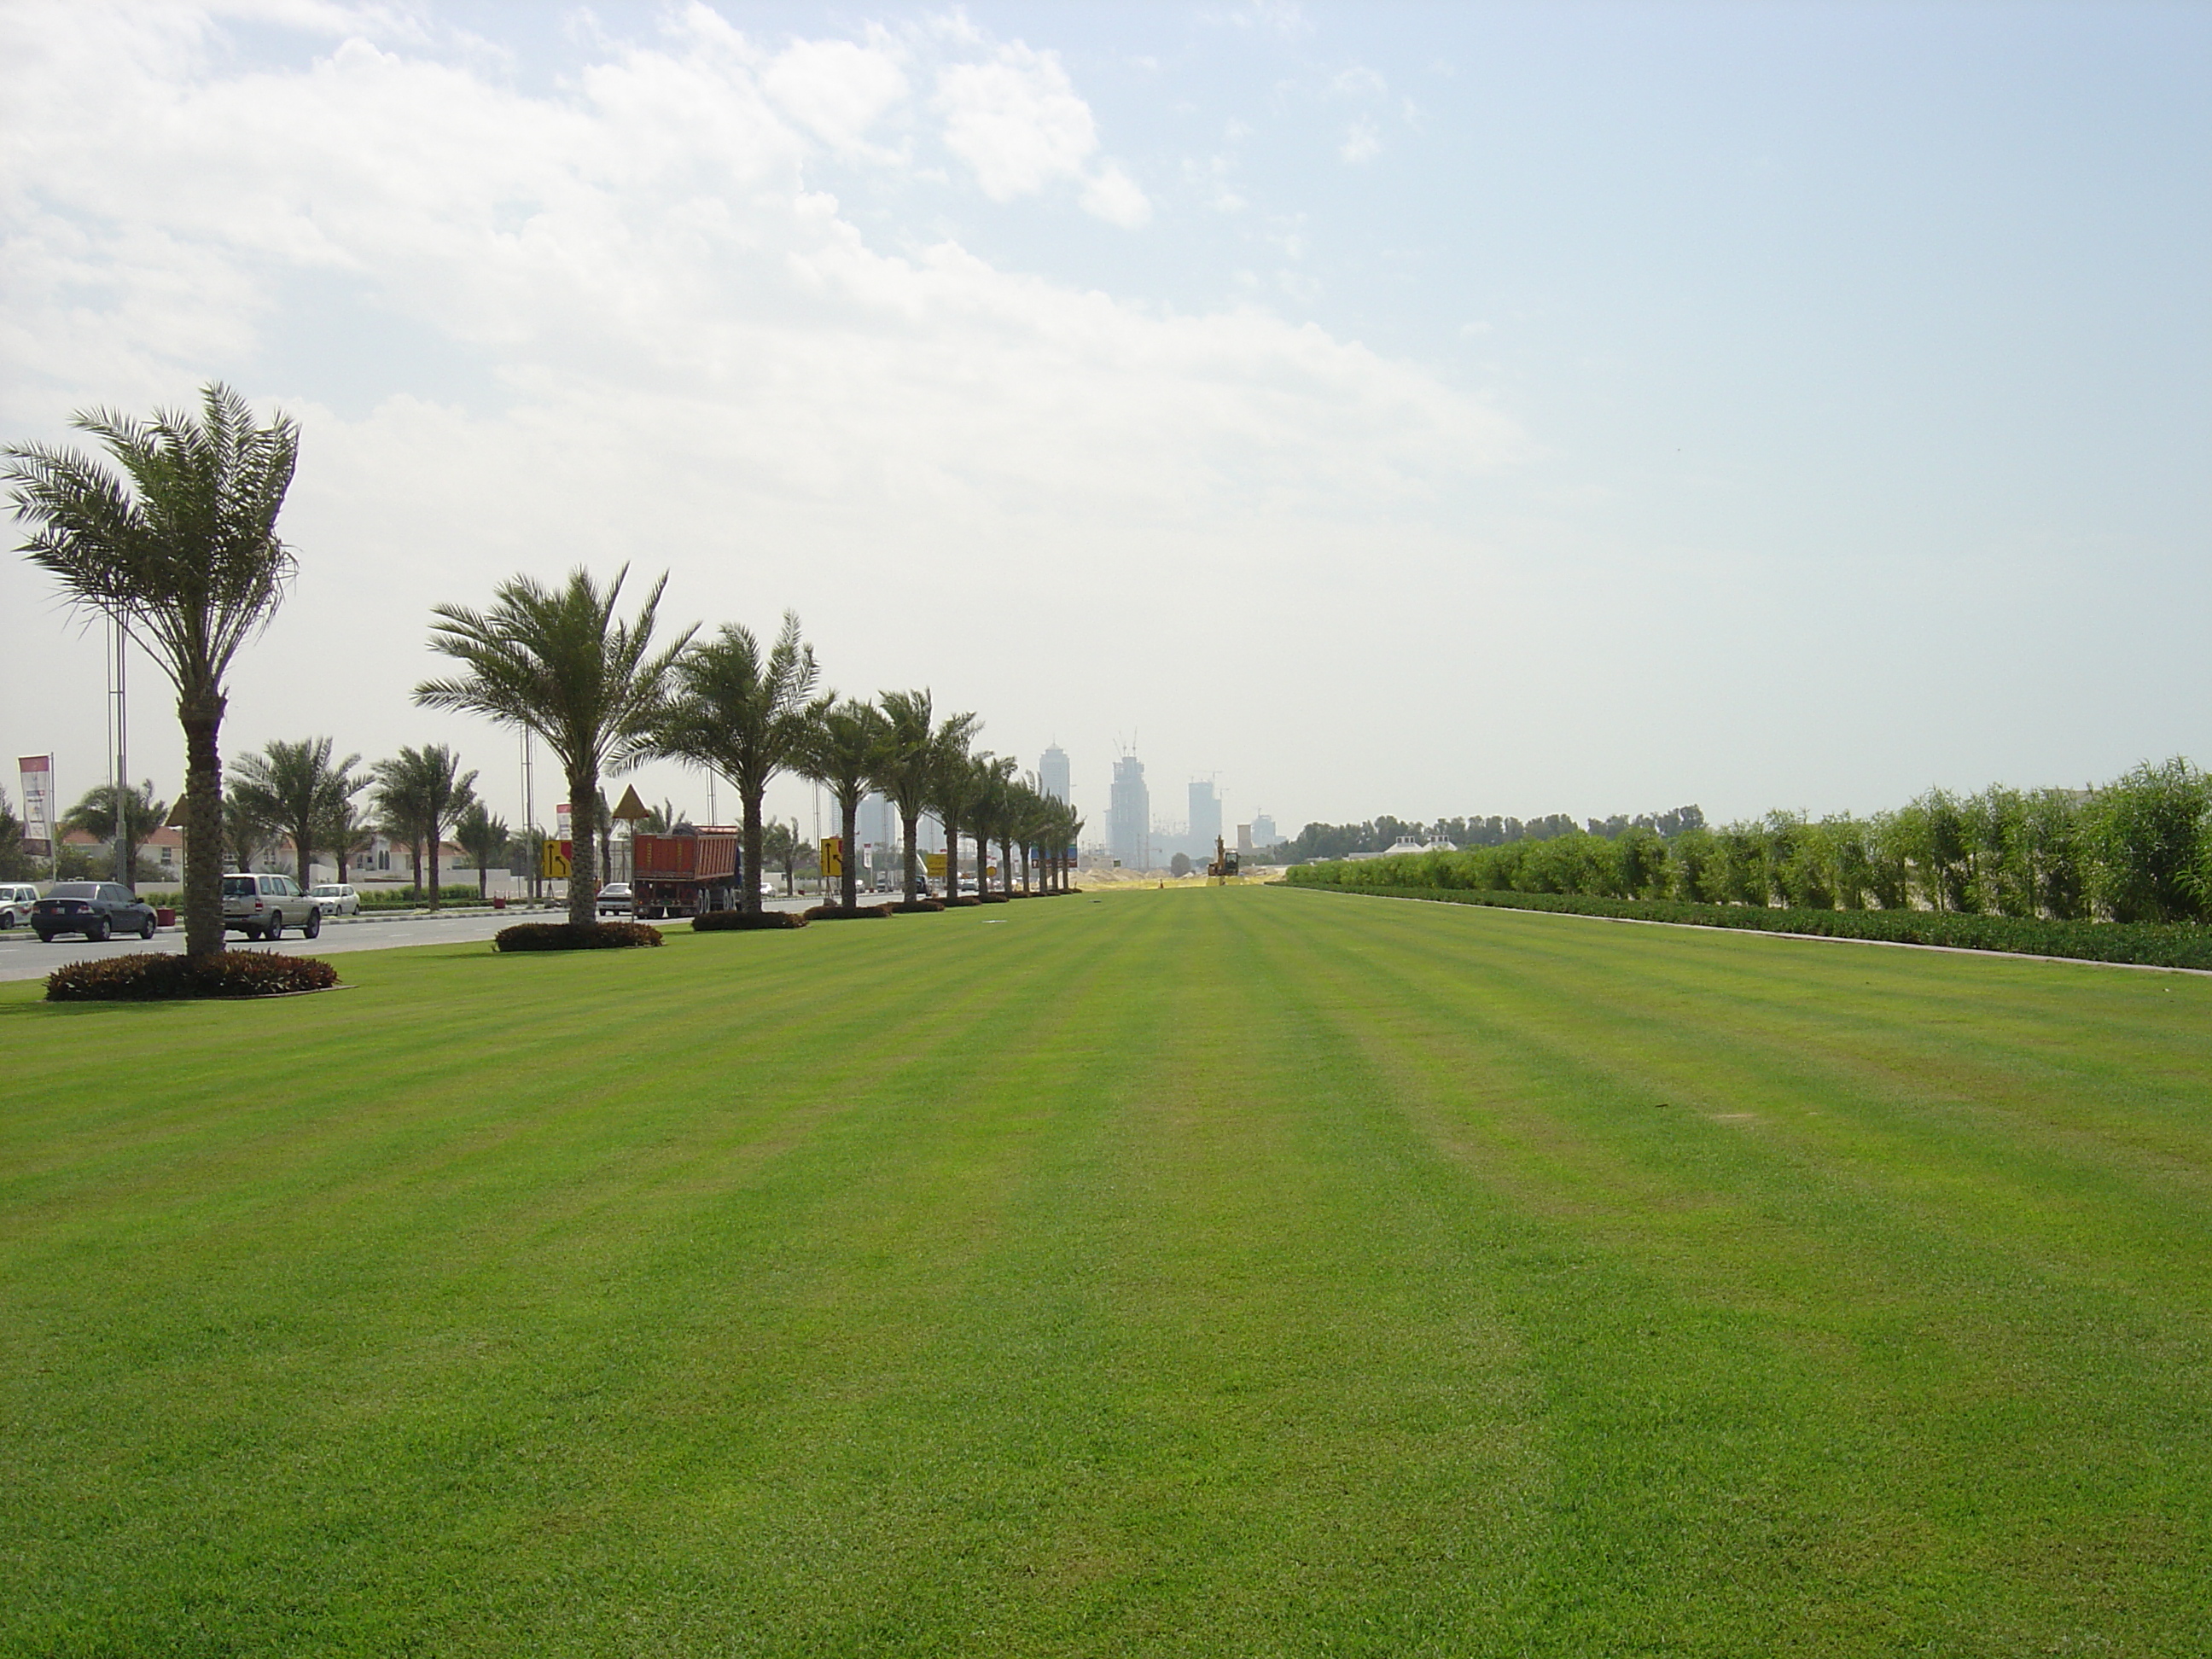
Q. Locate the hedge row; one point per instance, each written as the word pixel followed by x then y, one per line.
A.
pixel 2149 944
pixel 736 921
pixel 839 913
pixel 151 978
pixel 568 936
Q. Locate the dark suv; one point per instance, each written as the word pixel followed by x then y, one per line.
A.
pixel 95 908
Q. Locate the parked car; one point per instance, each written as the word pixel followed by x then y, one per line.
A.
pixel 616 899
pixel 263 906
pixel 335 898
pixel 17 898
pixel 95 908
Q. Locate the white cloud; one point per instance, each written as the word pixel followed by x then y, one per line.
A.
pixel 837 89
pixel 1015 120
pixel 1113 196
pixel 667 346
pixel 1363 141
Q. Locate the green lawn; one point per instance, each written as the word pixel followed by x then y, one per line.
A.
pixel 1232 1271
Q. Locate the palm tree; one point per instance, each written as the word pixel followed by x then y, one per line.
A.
pixel 994 777
pixel 245 833
pixel 422 792
pixel 485 836
pixel 183 547
pixel 840 754
pixel 951 787
pixel 745 714
pixel 343 832
pixel 97 816
pixel 555 662
pixel 294 787
pixel 906 763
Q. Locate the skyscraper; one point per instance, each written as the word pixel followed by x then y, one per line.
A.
pixel 1052 772
pixel 1129 816
pixel 1204 817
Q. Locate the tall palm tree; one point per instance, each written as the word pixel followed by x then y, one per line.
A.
pixel 554 662
pixel 245 833
pixel 905 766
pixel 745 714
pixel 294 787
pixel 485 836
pixel 840 754
pixel 951 787
pixel 125 817
pixel 423 790
pixel 994 777
pixel 182 545
pixel 345 832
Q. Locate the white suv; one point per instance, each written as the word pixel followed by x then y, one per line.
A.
pixel 264 906
pixel 17 898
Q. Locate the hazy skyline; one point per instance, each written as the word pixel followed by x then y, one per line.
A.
pixel 1426 411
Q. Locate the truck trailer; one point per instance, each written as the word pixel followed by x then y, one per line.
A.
pixel 686 874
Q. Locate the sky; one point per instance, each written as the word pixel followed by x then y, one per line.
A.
pixel 1420 409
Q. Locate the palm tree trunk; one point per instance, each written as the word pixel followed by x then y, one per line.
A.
pixel 749 896
pixel 201 718
pixel 433 866
pixel 483 880
pixel 1006 863
pixel 849 858
pixel 910 824
pixel 952 855
pixel 583 856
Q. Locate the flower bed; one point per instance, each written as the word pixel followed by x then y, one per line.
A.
pixel 568 936
pixel 150 978
pixel 736 921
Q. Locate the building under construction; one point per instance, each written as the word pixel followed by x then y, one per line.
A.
pixel 1129 817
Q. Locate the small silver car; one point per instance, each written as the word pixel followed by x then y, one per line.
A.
pixel 262 906
pixel 335 898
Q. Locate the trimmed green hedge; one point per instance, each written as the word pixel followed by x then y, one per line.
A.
pixel 839 913
pixel 2149 943
pixel 736 921
pixel 151 978
pixel 568 936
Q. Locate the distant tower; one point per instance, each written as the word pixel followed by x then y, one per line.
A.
pixel 1204 816
pixel 1051 772
pixel 1129 816
pixel 1263 830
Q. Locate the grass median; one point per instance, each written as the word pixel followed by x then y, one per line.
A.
pixel 1228 1270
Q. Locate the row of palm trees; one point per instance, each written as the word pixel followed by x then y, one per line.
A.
pixel 174 534
pixel 561 663
pixel 297 792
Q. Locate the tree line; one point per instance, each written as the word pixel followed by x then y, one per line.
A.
pixel 1341 841
pixel 2137 849
pixel 174 534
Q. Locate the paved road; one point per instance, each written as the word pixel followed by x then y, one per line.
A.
pixel 22 956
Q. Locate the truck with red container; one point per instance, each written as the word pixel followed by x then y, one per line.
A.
pixel 684 874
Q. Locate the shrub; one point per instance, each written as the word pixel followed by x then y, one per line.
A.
pixel 838 913
pixel 568 936
pixel 736 921
pixel 2178 945
pixel 915 909
pixel 166 978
